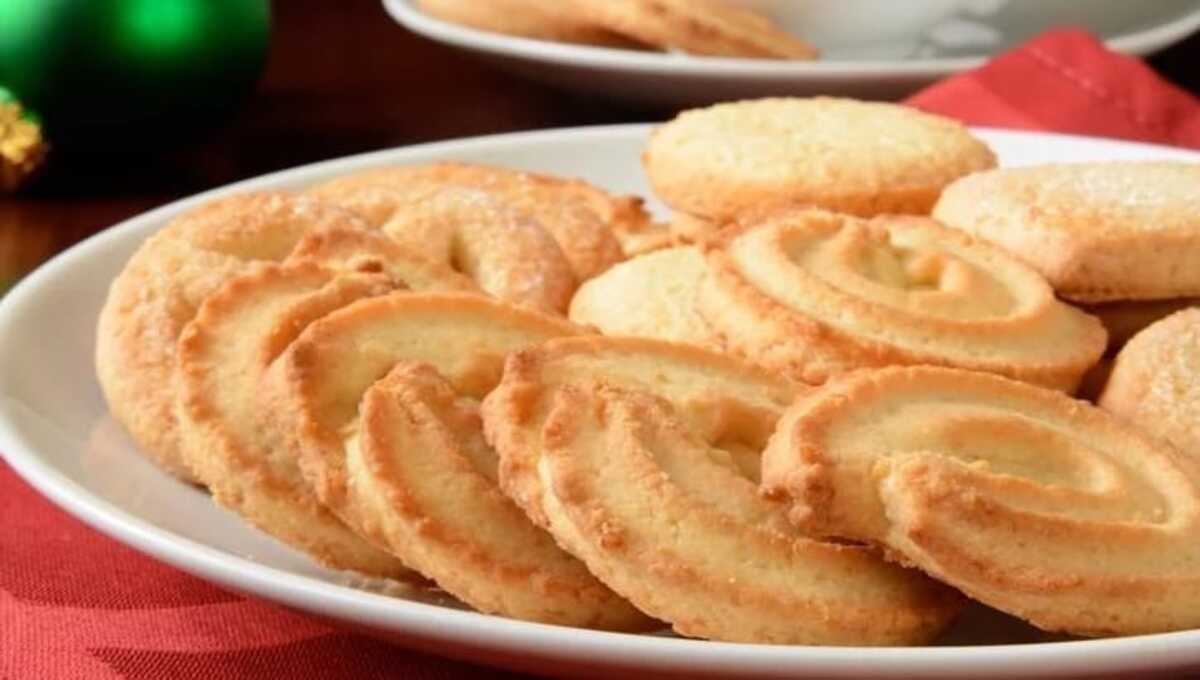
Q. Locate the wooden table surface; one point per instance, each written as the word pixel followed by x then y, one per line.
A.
pixel 371 85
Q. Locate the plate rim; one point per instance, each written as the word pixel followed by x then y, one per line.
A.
pixel 485 632
pixel 405 13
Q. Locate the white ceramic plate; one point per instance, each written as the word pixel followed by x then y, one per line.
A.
pixel 677 80
pixel 56 432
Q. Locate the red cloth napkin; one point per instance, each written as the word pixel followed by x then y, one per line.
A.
pixel 75 604
pixel 1066 80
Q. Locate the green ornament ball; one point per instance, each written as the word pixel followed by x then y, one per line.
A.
pixel 99 71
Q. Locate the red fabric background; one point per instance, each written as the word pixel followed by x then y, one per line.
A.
pixel 75 604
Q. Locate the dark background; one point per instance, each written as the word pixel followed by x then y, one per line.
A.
pixel 342 77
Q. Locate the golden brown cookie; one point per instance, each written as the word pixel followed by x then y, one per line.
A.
pixel 162 286
pixel 634 453
pixel 815 294
pixel 1025 499
pixel 223 354
pixel 1155 381
pixel 554 20
pixel 849 156
pixel 1097 231
pixel 651 295
pixel 581 218
pixel 353 249
pixel 702 27
pixel 506 253
pixel 382 396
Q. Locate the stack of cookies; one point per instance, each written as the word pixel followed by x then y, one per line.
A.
pixel 715 28
pixel 829 405
pixel 809 250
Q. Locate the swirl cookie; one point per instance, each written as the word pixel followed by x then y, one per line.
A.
pixel 641 457
pixel 223 354
pixel 652 295
pixel 703 27
pixel 223 359
pixel 581 218
pixel 1023 498
pixel 526 18
pixel 383 398
pixel 1097 231
pixel 1155 381
pixel 848 156
pixel 506 254
pixel 163 284
pixel 352 249
pixel 814 294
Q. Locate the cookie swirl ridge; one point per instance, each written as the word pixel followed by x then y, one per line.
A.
pixel 816 294
pixel 1027 500
pixel 223 354
pixel 582 220
pixel 225 400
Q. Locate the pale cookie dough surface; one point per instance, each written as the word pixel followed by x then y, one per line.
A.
pixel 856 157
pixel 1120 230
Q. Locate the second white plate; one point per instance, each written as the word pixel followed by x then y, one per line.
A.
pixel 677 80
pixel 56 432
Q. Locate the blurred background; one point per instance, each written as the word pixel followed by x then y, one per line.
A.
pixel 336 78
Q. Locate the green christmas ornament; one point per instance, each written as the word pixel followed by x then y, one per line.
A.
pixel 118 73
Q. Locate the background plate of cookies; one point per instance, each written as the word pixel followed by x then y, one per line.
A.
pixel 613 400
pixel 687 52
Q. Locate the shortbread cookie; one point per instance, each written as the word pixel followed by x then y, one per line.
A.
pixel 353 249
pixel 383 398
pixel 163 284
pixel 554 20
pixel 1097 231
pixel 652 295
pixel 814 294
pixel 505 252
pixel 1155 381
pixel 1025 499
pixel 849 156
pixel 1125 319
pixel 581 218
pixel 223 354
pixel 628 451
pixel 702 27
